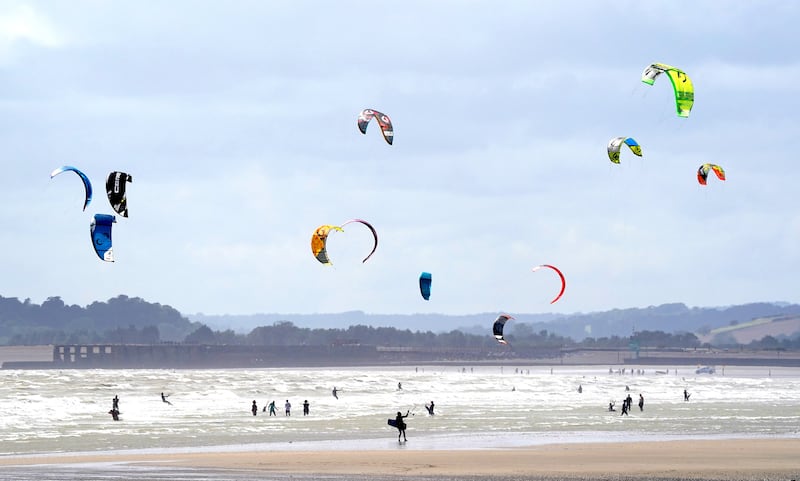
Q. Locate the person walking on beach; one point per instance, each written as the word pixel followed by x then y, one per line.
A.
pixel 288 407
pixel 254 408
pixel 272 409
pixel 686 395
pixel 305 407
pixel 401 425
pixel 641 402
pixel 164 399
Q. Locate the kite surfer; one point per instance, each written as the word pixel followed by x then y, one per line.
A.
pixel 429 407
pixel 334 392
pixel 164 398
pixel 401 425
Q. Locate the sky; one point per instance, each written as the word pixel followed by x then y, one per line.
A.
pixel 237 121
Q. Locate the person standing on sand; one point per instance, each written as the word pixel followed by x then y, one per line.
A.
pixel 254 408
pixel 288 407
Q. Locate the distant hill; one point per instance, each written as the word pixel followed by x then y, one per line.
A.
pixel 756 329
pixel 670 318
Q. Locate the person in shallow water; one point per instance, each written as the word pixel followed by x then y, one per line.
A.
pixel 305 407
pixel 401 425
pixel 272 411
pixel 254 408
pixel 164 398
pixel 429 407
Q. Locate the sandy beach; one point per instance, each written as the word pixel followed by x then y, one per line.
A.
pixel 701 459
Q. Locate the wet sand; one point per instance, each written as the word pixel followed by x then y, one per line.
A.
pixel 746 459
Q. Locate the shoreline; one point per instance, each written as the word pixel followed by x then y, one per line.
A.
pixel 674 459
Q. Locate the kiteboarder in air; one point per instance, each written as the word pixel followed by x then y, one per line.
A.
pixel 401 425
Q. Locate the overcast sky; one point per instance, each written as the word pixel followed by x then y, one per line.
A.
pixel 237 121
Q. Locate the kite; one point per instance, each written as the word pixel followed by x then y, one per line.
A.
pixel 563 281
pixel 374 235
pixel 702 172
pixel 425 285
pixel 615 144
pixel 101 236
pixel 497 328
pixel 383 120
pixel 115 188
pixel 318 240
pixel 681 84
pixel 86 184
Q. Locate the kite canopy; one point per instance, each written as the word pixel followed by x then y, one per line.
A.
pixel 497 328
pixel 383 120
pixel 681 84
pixel 100 230
pixel 374 235
pixel 703 171
pixel 318 241
pixel 425 281
pixel 616 143
pixel 563 281
pixel 86 184
pixel 115 188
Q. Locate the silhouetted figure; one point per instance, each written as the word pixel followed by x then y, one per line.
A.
pixel 114 414
pixel 288 408
pixel 399 386
pixel 401 425
pixel 115 403
pixel 686 395
pixel 164 398
pixel 641 402
pixel 335 392
pixel 429 407
pixel 272 411
pixel 254 408
pixel 305 407
pixel 580 388
pixel 624 408
pixel 611 406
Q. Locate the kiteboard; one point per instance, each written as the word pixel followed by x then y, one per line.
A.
pixel 392 423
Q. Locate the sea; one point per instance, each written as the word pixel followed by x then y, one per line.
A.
pixel 52 413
